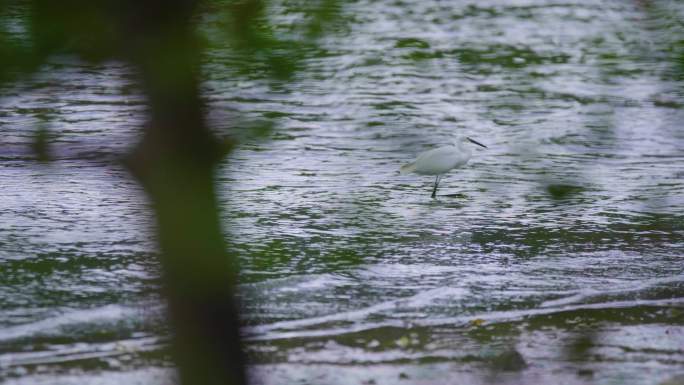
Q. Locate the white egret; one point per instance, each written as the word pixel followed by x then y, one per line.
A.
pixel 440 160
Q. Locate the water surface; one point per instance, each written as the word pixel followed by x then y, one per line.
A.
pixel 562 243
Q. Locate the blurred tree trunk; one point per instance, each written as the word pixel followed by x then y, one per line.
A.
pixel 177 157
pixel 175 162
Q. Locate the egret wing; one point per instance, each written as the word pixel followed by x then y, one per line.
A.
pixel 436 161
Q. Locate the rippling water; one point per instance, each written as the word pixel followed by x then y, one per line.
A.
pixel 562 243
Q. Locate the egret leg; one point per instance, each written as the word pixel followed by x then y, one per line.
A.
pixel 434 190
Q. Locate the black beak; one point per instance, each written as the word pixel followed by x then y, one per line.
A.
pixel 476 142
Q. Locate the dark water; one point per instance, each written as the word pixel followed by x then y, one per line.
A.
pixel 561 245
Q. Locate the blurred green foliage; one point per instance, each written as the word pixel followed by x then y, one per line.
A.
pixel 262 44
pixel 176 158
pixel 31 31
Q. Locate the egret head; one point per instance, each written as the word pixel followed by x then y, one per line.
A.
pixel 463 139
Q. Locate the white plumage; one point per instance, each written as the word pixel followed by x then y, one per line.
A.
pixel 441 160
